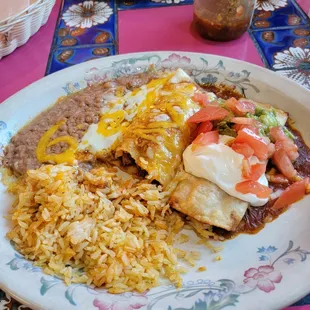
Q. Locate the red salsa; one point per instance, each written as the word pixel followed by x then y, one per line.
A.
pixel 220 32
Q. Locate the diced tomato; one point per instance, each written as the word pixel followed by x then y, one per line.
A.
pixel 209 113
pixel 266 139
pixel 293 193
pixel 238 127
pixel 203 99
pixel 278 178
pixel 253 187
pixel 206 139
pixel 194 133
pixel 240 107
pixel 257 143
pixel 284 142
pixel 253 172
pixel 256 171
pixel 277 133
pixel 243 149
pixel 307 182
pixel 284 164
pixel 231 104
pixel 245 106
pixel 289 147
pixel 271 149
pixel 204 127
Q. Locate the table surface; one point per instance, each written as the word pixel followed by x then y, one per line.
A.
pixel 28 63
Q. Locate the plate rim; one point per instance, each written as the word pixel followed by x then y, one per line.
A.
pixel 111 58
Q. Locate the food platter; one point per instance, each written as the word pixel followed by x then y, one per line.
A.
pixel 261 267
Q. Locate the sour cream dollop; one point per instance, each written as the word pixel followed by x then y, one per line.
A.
pixel 221 165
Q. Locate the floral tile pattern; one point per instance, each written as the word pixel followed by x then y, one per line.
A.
pixel 278 13
pixel 65 57
pixel 281 32
pixel 294 63
pixel 80 36
pixel 84 23
pixel 88 22
pixel 85 30
pixel 274 41
pixel 87 14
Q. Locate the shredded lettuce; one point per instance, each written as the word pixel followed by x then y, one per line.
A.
pixel 259 111
pixel 224 129
pixel 288 133
pixel 220 101
pixel 269 118
pixel 249 115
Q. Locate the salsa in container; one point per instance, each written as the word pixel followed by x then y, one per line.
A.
pixel 222 20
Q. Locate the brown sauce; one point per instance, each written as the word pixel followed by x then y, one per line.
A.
pixel 302 164
pixel 220 32
pixel 222 91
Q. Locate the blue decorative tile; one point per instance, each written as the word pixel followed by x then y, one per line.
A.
pixel 84 30
pixel 140 4
pixel 286 14
pixel 61 58
pixel 271 41
pixel 281 33
pixel 303 302
pixel 86 22
pixel 79 36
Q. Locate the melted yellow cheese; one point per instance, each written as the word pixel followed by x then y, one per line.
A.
pixel 159 82
pixel 119 113
pixel 164 124
pixel 135 91
pixel 110 123
pixel 153 92
pixel 164 103
pixel 66 157
pixel 146 136
pixel 176 117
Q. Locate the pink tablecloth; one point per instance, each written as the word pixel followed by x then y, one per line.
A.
pixel 176 34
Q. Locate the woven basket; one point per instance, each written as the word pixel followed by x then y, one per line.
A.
pixel 16 30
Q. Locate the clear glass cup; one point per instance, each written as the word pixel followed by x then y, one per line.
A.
pixel 222 20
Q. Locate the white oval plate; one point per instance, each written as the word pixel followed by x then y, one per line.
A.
pixel 269 270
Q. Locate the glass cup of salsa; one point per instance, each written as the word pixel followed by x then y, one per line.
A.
pixel 222 20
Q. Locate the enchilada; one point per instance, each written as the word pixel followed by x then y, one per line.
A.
pixel 156 139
